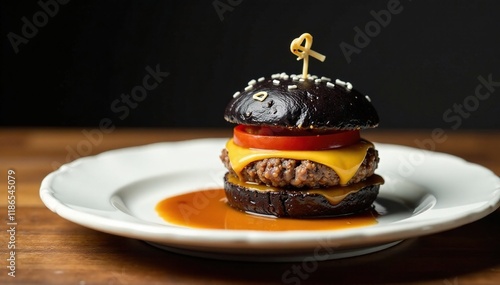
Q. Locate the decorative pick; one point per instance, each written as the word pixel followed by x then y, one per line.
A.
pixel 303 52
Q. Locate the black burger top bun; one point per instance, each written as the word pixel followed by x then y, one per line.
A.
pixel 294 102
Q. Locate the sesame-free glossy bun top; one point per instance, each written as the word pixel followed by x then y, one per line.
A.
pixel 292 102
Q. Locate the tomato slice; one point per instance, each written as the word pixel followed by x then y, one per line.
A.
pixel 285 139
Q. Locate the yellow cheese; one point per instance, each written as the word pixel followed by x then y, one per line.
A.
pixel 344 161
pixel 334 194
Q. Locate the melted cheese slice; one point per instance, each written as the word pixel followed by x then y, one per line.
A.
pixel 334 194
pixel 344 161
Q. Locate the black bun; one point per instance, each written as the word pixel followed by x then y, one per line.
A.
pixel 297 203
pixel 311 104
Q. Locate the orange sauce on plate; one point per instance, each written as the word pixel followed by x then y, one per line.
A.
pixel 208 209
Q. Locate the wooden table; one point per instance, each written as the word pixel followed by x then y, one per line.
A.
pixel 51 250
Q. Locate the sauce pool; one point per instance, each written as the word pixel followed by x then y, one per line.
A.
pixel 208 209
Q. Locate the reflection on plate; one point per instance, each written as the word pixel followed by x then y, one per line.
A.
pixel 116 192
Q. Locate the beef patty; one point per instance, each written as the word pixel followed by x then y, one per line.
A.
pixel 283 172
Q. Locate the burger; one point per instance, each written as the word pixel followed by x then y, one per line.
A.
pixel 296 150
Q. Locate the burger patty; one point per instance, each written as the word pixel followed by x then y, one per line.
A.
pixel 284 172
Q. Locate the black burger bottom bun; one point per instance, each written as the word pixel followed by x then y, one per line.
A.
pixel 299 203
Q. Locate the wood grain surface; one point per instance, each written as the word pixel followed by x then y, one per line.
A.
pixel 51 250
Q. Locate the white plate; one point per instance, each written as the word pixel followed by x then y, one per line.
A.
pixel 116 192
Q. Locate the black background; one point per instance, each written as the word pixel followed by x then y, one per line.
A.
pixel 418 69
